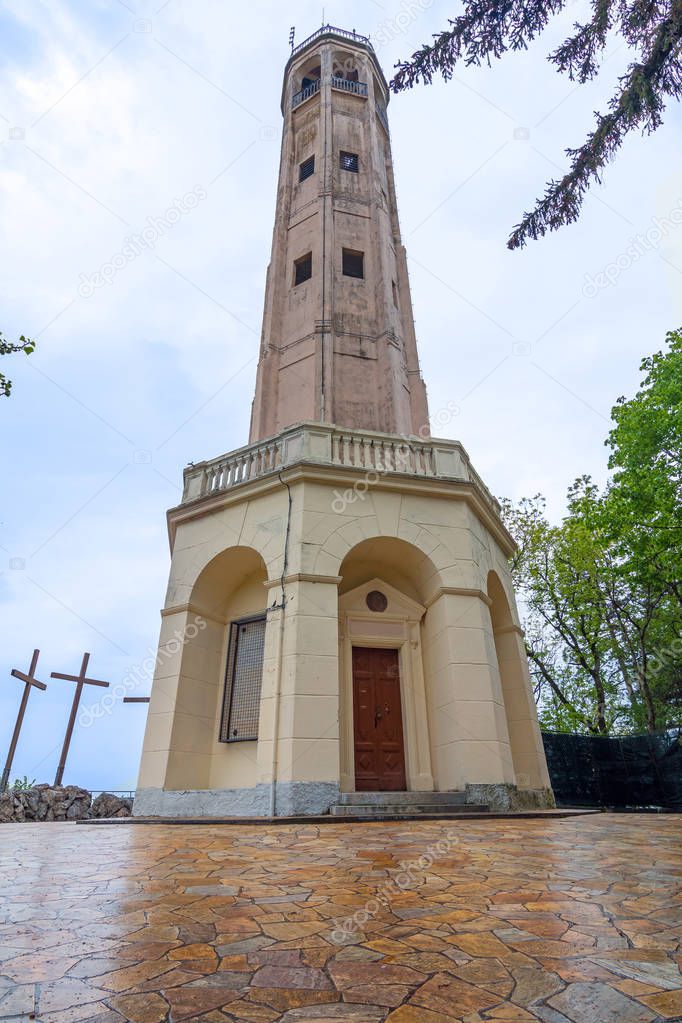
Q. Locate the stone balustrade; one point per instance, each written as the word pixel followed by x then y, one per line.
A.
pixel 376 454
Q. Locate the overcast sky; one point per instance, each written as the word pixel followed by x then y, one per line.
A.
pixel 112 111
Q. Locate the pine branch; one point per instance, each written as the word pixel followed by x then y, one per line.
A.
pixel 489 28
pixel 639 103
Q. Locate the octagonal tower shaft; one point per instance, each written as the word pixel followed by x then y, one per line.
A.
pixel 338 342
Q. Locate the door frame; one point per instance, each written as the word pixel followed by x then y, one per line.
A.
pixel 358 646
pixel 397 628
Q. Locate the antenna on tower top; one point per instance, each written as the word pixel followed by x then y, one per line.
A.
pixel 292 33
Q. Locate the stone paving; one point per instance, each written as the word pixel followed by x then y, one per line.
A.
pixel 574 920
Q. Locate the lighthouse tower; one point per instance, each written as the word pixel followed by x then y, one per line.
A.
pixel 339 632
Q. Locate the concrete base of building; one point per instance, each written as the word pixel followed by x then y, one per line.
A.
pixel 510 797
pixel 291 799
pixel 314 798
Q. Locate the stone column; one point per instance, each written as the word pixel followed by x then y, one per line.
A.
pixel 182 712
pixel 467 722
pixel 306 686
pixel 524 731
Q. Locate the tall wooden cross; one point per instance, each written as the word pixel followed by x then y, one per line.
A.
pixel 29 681
pixel 80 681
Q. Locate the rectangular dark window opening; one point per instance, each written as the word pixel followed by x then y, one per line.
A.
pixel 306 169
pixel 243 680
pixel 303 268
pixel 394 287
pixel 349 161
pixel 353 263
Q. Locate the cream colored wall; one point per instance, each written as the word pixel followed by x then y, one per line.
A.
pixel 432 549
pixel 469 735
pixel 308 726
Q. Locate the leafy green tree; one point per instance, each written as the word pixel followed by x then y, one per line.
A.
pixel 646 456
pixel 602 591
pixel 490 28
pixel 566 636
pixel 602 642
pixel 8 348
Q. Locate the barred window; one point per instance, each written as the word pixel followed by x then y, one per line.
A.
pixel 349 161
pixel 243 678
pixel 306 169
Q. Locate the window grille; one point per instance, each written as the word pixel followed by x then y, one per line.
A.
pixel 303 268
pixel 243 679
pixel 353 263
pixel 349 161
pixel 306 169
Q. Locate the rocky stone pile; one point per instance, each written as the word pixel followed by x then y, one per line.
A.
pixel 59 803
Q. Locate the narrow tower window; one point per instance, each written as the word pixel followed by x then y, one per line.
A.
pixel 353 263
pixel 306 169
pixel 243 680
pixel 348 161
pixel 394 287
pixel 303 268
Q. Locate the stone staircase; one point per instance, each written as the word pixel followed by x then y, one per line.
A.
pixel 404 804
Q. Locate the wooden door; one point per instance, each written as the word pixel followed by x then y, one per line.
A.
pixel 378 721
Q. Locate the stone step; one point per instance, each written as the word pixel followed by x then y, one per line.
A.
pixel 453 798
pixel 406 809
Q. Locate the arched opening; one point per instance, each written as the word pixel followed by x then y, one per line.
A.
pixel 525 740
pixel 229 589
pixel 400 563
pixel 310 72
pixel 383 716
pixel 344 66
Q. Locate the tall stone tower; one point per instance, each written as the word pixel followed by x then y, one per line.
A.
pixel 338 342
pixel 339 631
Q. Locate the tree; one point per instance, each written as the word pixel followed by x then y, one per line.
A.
pixel 8 348
pixel 489 28
pixel 646 454
pixel 602 591
pixel 595 629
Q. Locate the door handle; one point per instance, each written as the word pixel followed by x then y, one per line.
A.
pixel 377 716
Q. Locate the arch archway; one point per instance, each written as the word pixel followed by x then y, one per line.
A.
pixel 229 588
pixel 525 741
pixel 383 713
pixel 400 563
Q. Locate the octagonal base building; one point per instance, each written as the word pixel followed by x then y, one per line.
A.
pixel 340 632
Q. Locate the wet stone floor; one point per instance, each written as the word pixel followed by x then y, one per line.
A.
pixel 578 919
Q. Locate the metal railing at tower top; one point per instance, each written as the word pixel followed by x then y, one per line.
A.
pixel 348 85
pixel 337 82
pixel 332 30
pixel 304 94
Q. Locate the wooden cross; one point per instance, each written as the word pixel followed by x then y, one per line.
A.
pixel 80 681
pixel 29 681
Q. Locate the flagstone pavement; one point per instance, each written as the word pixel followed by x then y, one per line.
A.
pixel 577 920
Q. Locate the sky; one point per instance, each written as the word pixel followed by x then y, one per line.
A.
pixel 112 115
